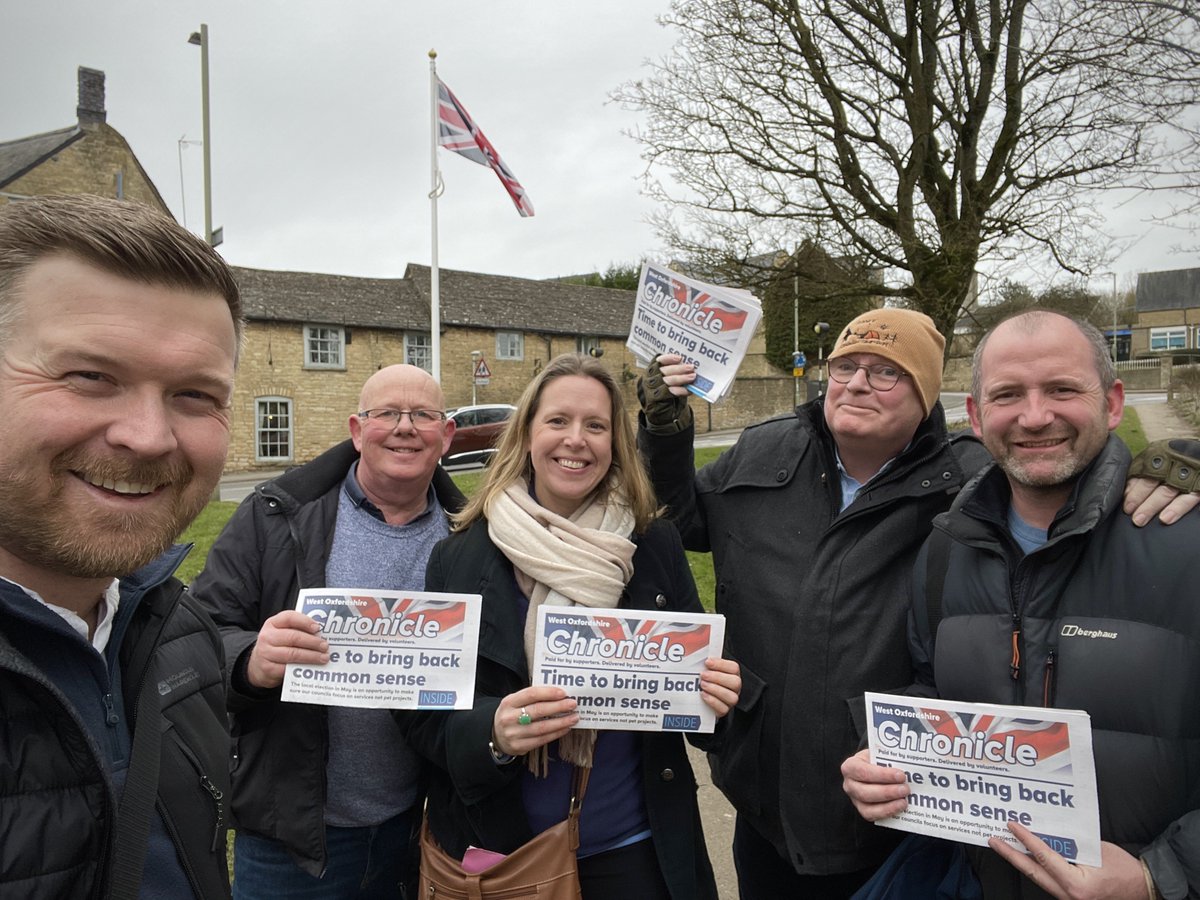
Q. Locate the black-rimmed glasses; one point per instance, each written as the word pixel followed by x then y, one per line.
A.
pixel 881 377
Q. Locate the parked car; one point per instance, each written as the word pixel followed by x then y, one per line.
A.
pixel 477 428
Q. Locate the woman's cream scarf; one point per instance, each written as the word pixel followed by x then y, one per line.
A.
pixel 585 560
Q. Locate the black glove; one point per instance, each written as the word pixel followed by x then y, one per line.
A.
pixel 1175 463
pixel 665 413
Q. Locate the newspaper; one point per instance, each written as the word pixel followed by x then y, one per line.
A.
pixel 629 670
pixel 708 325
pixel 973 767
pixel 389 650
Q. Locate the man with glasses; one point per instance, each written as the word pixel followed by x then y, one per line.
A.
pixel 814 520
pixel 327 799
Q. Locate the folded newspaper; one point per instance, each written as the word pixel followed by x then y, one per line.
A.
pixel 708 325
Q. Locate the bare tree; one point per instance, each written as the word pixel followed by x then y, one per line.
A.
pixel 916 135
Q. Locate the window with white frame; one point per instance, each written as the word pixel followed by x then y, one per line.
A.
pixel 418 350
pixel 510 345
pixel 272 429
pixel 324 347
pixel 1173 338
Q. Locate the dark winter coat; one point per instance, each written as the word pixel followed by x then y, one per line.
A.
pixel 816 604
pixel 277 543
pixel 1107 622
pixel 472 800
pixel 58 808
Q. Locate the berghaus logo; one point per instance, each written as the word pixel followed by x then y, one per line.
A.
pixel 1076 631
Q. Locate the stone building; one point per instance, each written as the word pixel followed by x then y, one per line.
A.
pixel 89 157
pixel 1168 312
pixel 313 339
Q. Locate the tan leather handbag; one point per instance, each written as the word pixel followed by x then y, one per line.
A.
pixel 545 867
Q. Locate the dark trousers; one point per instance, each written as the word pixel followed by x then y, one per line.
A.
pixel 765 875
pixel 627 873
pixel 370 863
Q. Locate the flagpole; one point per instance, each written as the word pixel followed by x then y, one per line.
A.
pixel 435 189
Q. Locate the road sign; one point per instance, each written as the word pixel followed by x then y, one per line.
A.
pixel 482 370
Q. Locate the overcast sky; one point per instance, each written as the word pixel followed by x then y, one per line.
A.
pixel 320 118
pixel 321 125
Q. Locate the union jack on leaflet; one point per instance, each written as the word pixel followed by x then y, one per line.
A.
pixel 457 131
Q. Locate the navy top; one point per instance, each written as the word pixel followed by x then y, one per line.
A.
pixel 614 808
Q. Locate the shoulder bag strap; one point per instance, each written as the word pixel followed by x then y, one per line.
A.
pixel 141 781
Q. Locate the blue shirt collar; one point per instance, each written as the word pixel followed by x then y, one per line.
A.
pixel 361 501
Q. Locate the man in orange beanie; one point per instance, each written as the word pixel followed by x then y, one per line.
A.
pixel 814 520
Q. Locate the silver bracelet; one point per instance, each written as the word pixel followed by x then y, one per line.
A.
pixel 499 757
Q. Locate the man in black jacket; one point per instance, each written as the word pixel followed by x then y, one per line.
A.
pixel 1053 598
pixel 814 520
pixel 326 800
pixel 118 339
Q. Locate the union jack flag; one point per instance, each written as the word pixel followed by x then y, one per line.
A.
pixel 457 131
pixel 1052 740
pixel 449 614
pixel 693 637
pixel 731 317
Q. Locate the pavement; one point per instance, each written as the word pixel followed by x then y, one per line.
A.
pixel 1160 421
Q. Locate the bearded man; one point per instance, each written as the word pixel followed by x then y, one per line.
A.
pixel 118 339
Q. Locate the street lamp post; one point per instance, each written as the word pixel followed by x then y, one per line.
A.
pixel 820 328
pixel 200 39
pixel 1114 302
pixel 1113 275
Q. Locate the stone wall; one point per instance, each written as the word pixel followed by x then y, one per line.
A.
pixel 99 162
pixel 272 365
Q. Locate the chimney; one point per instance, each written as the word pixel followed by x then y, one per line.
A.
pixel 91 97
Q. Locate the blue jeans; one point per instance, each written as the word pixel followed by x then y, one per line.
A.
pixel 369 863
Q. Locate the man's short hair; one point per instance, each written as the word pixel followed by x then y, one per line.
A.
pixel 1033 320
pixel 126 239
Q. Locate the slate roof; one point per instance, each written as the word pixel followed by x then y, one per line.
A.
pixel 19 156
pixel 471 299
pixel 331 299
pixel 1172 289
pixel 468 299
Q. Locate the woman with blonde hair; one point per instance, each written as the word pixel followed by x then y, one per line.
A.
pixel 567 516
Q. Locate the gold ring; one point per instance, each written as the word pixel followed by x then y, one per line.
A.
pixel 524 718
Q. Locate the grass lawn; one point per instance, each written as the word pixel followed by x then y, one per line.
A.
pixel 210 522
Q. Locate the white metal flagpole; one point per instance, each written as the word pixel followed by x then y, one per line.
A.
pixel 435 190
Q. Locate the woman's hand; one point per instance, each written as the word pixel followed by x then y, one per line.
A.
pixel 721 684
pixel 548 713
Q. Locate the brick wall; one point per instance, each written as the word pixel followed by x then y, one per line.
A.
pixel 1163 318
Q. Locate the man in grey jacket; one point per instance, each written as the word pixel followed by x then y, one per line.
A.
pixel 1039 557
pixel 814 520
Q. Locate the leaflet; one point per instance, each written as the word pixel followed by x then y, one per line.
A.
pixel 389 650
pixel 708 325
pixel 629 670
pixel 974 767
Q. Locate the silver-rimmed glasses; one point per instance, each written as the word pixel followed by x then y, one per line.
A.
pixel 422 419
